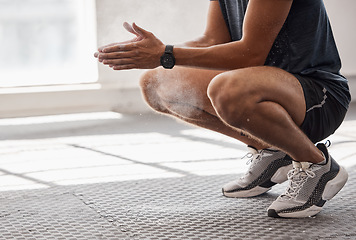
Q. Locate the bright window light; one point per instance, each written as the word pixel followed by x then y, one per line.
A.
pixel 47 42
pixel 60 118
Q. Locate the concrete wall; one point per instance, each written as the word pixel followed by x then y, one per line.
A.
pixel 343 20
pixel 174 21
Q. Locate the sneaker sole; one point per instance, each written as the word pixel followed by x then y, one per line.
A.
pixel 309 212
pixel 246 193
pixel 279 176
pixel 330 190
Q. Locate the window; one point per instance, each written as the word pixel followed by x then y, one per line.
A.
pixel 47 42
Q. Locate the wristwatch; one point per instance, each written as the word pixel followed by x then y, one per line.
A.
pixel 167 60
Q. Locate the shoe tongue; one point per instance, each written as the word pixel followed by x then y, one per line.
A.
pixel 306 165
pixel 297 164
pixel 302 165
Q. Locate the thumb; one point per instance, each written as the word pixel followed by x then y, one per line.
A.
pixel 140 31
pixel 129 28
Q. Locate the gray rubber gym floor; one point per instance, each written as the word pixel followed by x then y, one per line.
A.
pixel 117 176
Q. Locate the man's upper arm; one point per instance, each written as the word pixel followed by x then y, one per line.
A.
pixel 216 29
pixel 263 21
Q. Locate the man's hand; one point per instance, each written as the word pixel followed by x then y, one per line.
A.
pixel 142 52
pixel 128 28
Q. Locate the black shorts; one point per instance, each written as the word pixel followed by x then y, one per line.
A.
pixel 324 114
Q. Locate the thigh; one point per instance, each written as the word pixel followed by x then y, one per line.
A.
pixel 185 86
pixel 267 84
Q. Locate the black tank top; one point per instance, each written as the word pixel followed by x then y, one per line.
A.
pixel 305 44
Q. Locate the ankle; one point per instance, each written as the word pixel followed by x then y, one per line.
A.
pixel 317 157
pixel 314 156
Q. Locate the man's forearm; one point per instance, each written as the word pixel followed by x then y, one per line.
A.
pixel 203 41
pixel 219 57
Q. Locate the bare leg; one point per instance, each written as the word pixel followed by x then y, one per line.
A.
pixel 182 93
pixel 268 103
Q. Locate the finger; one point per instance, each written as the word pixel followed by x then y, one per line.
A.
pixel 117 62
pixel 113 62
pixel 124 67
pixel 117 55
pixel 116 48
pixel 96 54
pixel 100 49
pixel 120 48
pixel 140 30
pixel 129 28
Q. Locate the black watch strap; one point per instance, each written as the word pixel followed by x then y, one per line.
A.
pixel 167 59
pixel 169 49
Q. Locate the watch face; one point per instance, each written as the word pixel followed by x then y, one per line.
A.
pixel 167 61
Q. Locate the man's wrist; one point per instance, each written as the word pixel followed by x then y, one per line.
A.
pixel 167 59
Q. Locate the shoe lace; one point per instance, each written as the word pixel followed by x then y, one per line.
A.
pixel 297 177
pixel 253 158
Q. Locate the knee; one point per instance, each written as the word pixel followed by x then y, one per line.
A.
pixel 149 84
pixel 148 81
pixel 232 98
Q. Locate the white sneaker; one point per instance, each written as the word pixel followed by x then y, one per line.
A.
pixel 310 186
pixel 267 168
